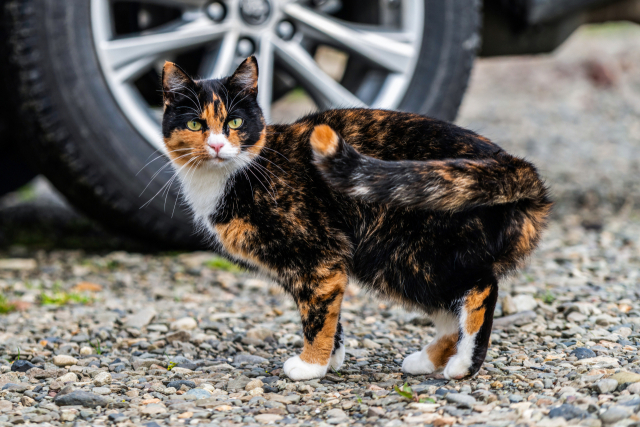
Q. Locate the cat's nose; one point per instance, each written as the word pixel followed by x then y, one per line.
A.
pixel 217 146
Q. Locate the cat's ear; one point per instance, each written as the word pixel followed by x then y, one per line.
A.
pixel 174 81
pixel 246 75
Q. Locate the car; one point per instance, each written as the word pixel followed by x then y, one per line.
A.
pixel 82 101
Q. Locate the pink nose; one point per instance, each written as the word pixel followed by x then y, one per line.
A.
pixel 216 146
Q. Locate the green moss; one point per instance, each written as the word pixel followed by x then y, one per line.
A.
pixel 26 193
pixel 296 94
pixel 64 298
pixel 112 265
pixel 219 263
pixel 609 28
pixel 546 297
pixel 5 306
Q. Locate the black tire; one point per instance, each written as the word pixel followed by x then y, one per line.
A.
pixel 15 170
pixel 88 149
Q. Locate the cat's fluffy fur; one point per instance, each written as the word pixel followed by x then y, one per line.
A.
pixel 416 209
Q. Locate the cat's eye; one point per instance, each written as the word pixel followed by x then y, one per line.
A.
pixel 235 123
pixel 194 125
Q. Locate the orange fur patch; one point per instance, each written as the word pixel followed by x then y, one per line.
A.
pixel 440 351
pixel 324 140
pixel 319 352
pixel 475 310
pixel 527 237
pixel 181 140
pixel 237 238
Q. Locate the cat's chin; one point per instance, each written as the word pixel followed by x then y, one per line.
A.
pixel 217 163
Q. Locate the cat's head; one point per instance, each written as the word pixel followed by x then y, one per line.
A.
pixel 212 123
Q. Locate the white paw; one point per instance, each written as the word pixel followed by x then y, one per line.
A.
pixel 418 363
pixel 297 369
pixel 337 358
pixel 457 368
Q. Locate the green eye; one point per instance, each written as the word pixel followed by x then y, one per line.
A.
pixel 235 123
pixel 194 125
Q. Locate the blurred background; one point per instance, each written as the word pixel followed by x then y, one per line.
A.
pixel 555 81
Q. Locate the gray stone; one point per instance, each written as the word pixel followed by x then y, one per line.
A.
pixel 571 332
pixel 568 412
pixel 181 336
pixel 179 383
pixel 185 323
pixel 524 303
pixel 249 358
pixel 606 386
pixel 376 412
pixel 64 360
pixel 336 413
pixel 22 366
pixel 103 378
pixel 463 400
pixel 583 353
pixel 141 319
pixel 153 409
pixel 614 414
pixel 81 398
pixel 517 319
pixel 259 333
pixel 80 338
pixel 101 390
pixel 16 388
pixel 199 393
pixel 144 363
pixel 367 343
pixel 238 383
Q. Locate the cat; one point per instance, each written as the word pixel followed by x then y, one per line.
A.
pixel 415 209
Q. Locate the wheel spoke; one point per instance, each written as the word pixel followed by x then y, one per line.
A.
pixel 265 75
pixel 134 69
pixel 377 46
pixel 220 65
pixel 326 91
pixel 123 51
pixel 176 3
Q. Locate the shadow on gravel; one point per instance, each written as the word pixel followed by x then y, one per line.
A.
pixel 37 217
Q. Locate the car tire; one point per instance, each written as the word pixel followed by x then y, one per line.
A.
pixel 15 170
pixel 83 143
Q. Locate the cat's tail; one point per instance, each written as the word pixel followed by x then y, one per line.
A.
pixel 447 185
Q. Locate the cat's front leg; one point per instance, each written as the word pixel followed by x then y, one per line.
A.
pixel 475 314
pixel 319 303
pixel 337 355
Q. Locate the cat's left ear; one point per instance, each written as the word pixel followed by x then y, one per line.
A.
pixel 246 75
pixel 174 81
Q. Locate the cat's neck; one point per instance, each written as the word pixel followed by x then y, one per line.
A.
pixel 204 188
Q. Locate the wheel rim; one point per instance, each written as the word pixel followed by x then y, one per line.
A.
pixel 284 34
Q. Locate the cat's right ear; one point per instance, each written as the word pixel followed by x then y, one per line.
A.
pixel 174 82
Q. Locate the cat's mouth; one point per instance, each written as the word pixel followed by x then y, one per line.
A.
pixel 217 158
pixel 219 149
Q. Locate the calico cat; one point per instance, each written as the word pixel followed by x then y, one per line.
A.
pixel 416 209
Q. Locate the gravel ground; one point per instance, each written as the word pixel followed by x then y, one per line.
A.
pixel 185 339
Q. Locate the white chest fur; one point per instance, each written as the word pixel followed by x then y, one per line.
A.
pixel 203 188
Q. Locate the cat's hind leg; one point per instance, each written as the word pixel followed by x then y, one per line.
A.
pixel 437 353
pixel 475 315
pixel 319 301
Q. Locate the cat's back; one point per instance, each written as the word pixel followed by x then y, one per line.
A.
pixel 393 135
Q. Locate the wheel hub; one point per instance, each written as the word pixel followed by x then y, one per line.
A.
pixel 255 12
